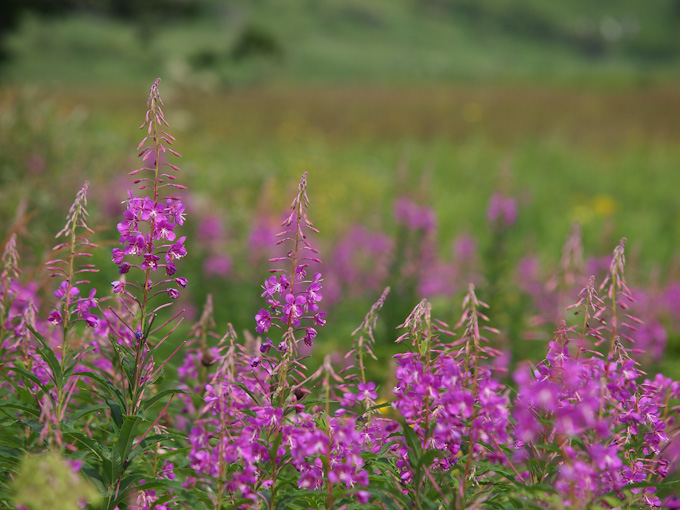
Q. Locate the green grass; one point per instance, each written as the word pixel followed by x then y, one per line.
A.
pixel 383 41
pixel 607 160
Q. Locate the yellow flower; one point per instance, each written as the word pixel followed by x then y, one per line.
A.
pixel 604 205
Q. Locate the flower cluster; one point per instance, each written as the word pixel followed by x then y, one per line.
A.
pixel 292 296
pixel 596 412
pixel 160 220
pixel 591 405
pixel 414 217
pixel 437 400
pixel 446 396
pixel 147 232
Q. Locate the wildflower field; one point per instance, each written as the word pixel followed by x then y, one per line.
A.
pixel 445 309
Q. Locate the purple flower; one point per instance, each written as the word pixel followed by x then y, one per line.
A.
pixel 117 256
pixel 319 319
pixel 363 497
pixel 464 248
pixel 217 265
pixel 275 286
pixel 502 210
pixel 150 261
pixel 263 320
pixel 63 290
pixel 176 250
pixel 606 457
pixel 54 317
pixel 85 304
pixel 409 214
pixel 90 319
pixel 301 272
pixel 314 293
pixel 310 334
pixel 367 391
pixel 117 287
pixel 151 211
pixel 266 346
pixel 164 230
pixel 176 210
pixel 348 400
pixel 295 305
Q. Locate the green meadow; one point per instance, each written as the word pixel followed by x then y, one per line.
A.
pixel 573 111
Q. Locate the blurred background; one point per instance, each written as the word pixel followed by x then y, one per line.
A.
pixel 447 142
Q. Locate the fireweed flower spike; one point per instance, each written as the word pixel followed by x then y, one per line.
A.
pixel 10 272
pixel 150 246
pixel 620 296
pixel 364 342
pixel 77 246
pixel 448 397
pixel 291 295
pixel 71 307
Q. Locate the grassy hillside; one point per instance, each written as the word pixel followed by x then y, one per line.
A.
pixel 232 43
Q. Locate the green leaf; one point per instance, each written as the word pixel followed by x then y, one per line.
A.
pixel 10 456
pixel 154 438
pixel 415 450
pixel 116 412
pixel 203 497
pixel 127 435
pixel 391 496
pixel 73 362
pixel 238 503
pixel 110 388
pixel 94 476
pixel 85 440
pixel 148 403
pixel 19 407
pixel 117 464
pixel 126 483
pixel 129 368
pixel 379 406
pixel 25 373
pixel 423 461
pixel 11 441
pixel 81 413
pixel 107 470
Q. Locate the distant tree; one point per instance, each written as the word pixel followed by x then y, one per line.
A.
pixel 256 41
pixel 139 11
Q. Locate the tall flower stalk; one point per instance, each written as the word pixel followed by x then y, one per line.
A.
pixel 70 306
pixel 365 341
pixel 292 296
pixel 620 297
pixel 10 272
pixel 150 247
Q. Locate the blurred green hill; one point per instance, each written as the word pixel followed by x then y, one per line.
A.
pixel 231 43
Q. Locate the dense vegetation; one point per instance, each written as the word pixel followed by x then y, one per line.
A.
pixel 114 405
pixel 518 158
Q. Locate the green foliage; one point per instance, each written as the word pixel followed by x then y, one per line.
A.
pixel 384 41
